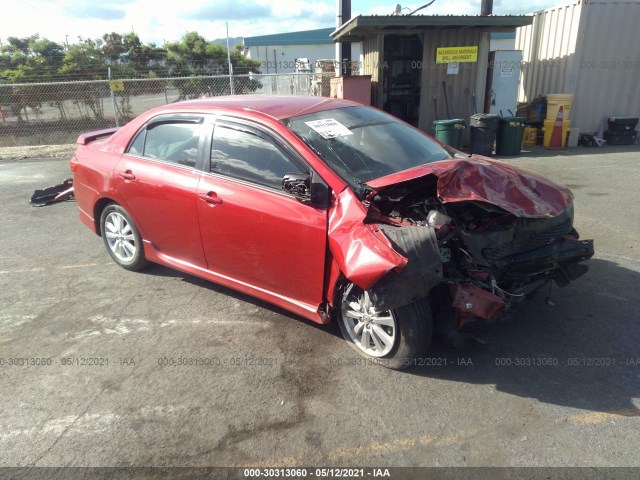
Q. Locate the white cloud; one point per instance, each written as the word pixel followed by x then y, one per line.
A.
pixel 156 22
pixel 462 7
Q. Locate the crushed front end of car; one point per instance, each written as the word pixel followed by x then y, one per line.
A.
pixel 475 236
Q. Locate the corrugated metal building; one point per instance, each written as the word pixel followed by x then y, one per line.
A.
pixel 588 48
pixel 278 52
pixel 399 52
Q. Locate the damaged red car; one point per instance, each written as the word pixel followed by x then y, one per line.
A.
pixel 329 209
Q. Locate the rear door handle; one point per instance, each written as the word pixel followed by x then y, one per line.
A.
pixel 127 175
pixel 211 198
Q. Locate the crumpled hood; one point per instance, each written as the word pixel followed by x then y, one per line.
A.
pixel 515 189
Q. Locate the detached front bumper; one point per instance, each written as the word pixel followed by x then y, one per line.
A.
pixel 531 270
pixel 556 261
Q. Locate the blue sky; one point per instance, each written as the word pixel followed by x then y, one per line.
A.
pixel 158 21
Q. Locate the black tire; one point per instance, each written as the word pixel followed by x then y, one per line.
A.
pixel 412 330
pixel 121 238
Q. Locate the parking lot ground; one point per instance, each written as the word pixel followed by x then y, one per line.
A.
pixel 104 367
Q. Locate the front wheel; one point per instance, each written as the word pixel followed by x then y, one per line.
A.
pixel 393 338
pixel 121 237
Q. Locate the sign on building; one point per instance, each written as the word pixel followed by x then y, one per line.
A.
pixel 456 54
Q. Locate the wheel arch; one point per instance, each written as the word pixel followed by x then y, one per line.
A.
pixel 99 206
pixel 338 282
pixel 410 333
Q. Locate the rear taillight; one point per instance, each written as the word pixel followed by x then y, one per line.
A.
pixel 73 163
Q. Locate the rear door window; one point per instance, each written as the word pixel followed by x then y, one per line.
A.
pixel 175 141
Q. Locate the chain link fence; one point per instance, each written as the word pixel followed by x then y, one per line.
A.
pixel 56 113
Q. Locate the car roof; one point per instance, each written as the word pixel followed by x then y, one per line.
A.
pixel 276 106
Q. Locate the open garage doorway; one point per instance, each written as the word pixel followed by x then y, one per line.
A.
pixel 401 76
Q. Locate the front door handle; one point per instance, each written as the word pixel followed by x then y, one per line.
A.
pixel 127 175
pixel 211 198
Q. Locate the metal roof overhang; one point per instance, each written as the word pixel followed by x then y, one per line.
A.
pixel 356 28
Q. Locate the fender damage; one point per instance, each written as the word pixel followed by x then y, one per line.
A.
pixel 491 232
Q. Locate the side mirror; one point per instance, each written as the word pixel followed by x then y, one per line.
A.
pixel 298 185
pixel 310 190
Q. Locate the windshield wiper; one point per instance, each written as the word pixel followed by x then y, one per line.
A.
pixel 370 124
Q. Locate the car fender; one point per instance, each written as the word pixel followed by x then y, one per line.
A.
pixel 362 252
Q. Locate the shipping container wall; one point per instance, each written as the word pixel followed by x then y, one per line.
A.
pixel 589 49
pixel 608 68
pixel 548 46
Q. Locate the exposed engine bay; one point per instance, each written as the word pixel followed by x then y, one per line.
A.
pixel 482 258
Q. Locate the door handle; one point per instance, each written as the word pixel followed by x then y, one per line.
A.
pixel 211 198
pixel 127 175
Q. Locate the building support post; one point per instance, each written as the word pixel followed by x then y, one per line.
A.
pixel 343 49
pixel 483 65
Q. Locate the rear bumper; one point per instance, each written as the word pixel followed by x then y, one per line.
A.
pixel 88 220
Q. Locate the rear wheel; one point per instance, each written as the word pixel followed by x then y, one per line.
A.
pixel 121 237
pixel 393 338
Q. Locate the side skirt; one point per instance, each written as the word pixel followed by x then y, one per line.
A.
pixel 308 311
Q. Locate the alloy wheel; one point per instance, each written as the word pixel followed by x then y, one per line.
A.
pixel 120 237
pixel 371 331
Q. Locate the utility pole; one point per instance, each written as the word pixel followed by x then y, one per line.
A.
pixel 229 60
pixel 486 8
pixel 113 98
pixel 343 49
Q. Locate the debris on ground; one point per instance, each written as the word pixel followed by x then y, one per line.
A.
pixel 57 193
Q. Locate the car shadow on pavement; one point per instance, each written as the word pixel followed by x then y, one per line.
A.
pixel 581 352
pixel 162 271
pixel 579 349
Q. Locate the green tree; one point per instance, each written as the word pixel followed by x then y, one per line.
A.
pixel 46 57
pixel 194 56
pixel 143 56
pixel 84 61
pixel 24 60
pixel 112 47
pixel 30 58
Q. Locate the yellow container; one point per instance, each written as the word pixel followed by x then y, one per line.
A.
pixel 557 100
pixel 548 130
pixel 530 136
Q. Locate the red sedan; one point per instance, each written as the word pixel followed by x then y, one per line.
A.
pixel 328 208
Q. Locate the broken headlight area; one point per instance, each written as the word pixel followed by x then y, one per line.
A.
pixel 489 259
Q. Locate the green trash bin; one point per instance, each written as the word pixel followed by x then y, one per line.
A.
pixel 449 132
pixel 509 135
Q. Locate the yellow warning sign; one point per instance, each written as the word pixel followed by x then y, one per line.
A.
pixel 456 54
pixel 116 85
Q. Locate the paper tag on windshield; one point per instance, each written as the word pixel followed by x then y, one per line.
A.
pixel 329 128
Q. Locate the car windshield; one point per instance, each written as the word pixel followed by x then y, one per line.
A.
pixel 362 143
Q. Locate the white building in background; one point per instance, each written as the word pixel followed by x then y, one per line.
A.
pixel 502 41
pixel 278 53
pixel 588 49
